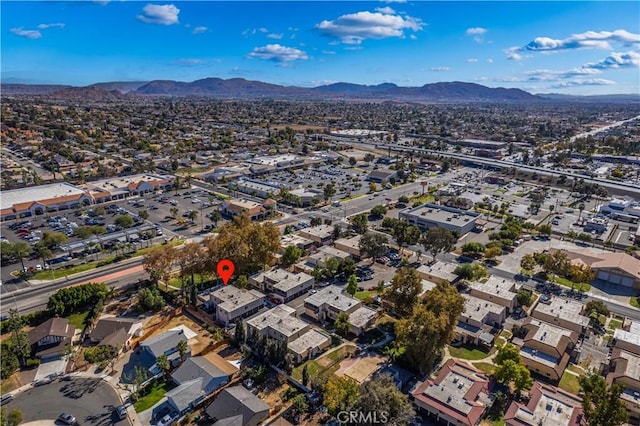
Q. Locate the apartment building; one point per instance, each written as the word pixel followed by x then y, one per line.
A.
pixel 547 348
pixel 320 235
pixel 232 304
pixel 478 319
pixel 624 368
pixel 501 291
pixel 547 406
pixel 328 303
pixel 564 313
pixel 283 285
pixel 458 395
pixel 281 324
pixel 627 338
pixel 349 245
pixel 438 272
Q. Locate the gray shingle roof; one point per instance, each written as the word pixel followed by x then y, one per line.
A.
pixel 237 401
pixel 197 367
pixel 162 343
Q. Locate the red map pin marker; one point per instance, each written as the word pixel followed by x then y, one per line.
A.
pixel 225 270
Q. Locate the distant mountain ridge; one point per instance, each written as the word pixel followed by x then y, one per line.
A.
pixel 239 88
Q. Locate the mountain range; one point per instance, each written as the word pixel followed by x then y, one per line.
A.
pixel 238 88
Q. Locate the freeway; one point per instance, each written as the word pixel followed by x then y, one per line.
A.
pixel 35 297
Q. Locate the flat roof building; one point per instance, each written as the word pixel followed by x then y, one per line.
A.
pixel 547 406
pixel 362 319
pixel 496 290
pixel 232 303
pixel 281 324
pixel 320 257
pixel 565 313
pixel 430 216
pixel 458 395
pixel 349 245
pixel 284 285
pixel 628 337
pixel 438 272
pixel 624 368
pixel 547 348
pixel 330 302
pixel 321 234
pixel 478 319
pixel 37 200
pixel 295 240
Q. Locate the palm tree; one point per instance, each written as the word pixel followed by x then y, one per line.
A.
pixel 581 208
pixel 163 364
pixel 174 212
pixel 42 252
pixel 21 250
pixel 193 214
pixel 182 348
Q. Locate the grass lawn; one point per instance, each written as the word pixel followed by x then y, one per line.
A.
pixel 569 382
pixel 362 295
pixel 78 319
pixel 59 273
pixel 318 366
pixel 467 353
pixel 485 366
pixel 152 395
pixel 635 302
pixel 313 368
pixel 576 286
pixel 575 369
pixel 615 324
pixel 177 282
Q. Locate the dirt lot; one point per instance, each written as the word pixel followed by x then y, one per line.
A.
pixel 198 343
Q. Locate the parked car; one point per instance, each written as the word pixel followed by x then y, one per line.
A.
pixel 67 419
pixel 121 412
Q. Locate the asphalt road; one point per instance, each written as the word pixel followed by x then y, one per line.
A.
pixel 90 401
pixel 35 296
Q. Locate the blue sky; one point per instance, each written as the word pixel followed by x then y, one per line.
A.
pixel 574 47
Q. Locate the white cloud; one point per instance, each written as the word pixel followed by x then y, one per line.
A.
pixel 472 60
pixel 489 60
pixel 278 53
pixel 588 39
pixel 45 26
pixel 507 79
pixel 512 53
pixel 386 10
pixel 275 36
pixel 616 60
pixel 199 30
pixel 101 2
pixel 439 69
pixel 189 61
pixel 166 14
pixel 585 82
pixel 476 31
pixel 32 34
pixel 356 27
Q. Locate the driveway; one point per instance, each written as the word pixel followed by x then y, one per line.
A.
pixel 51 367
pixel 91 401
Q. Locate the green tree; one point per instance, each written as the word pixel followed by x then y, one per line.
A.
pixel 291 255
pixel 163 364
pixel 240 336
pixel 381 395
pixel 472 248
pixel 597 306
pixel 305 375
pixel 492 252
pixel 42 251
pixel 581 208
pixel 601 403
pixel 11 418
pixel 406 286
pixel 360 223
pixel 470 271
pixel 329 191
pixel 378 212
pixel 183 348
pixel 241 282
pixel 404 233
pixel 506 352
pixel 524 298
pixel 437 240
pixel 124 221
pixel 339 394
pixel 150 299
pixel 545 229
pixel 9 362
pixel 352 285
pixel 342 323
pixel 515 373
pixel 299 404
pixel 144 214
pixel 373 245
pixel 21 250
pixel 528 262
pixel 352 161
